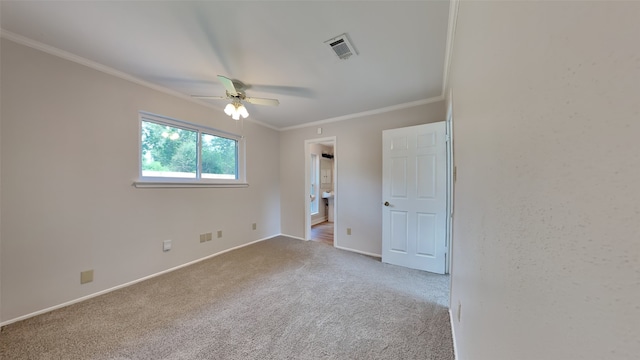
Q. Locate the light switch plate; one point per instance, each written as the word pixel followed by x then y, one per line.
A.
pixel 166 245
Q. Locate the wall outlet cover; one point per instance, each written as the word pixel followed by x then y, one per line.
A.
pixel 86 276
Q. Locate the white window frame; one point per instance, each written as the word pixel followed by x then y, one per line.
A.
pixel 150 181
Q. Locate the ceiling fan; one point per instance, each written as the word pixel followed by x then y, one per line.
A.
pixel 235 93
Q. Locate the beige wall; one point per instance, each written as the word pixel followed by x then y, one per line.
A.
pixel 358 155
pixel 69 156
pixel 547 210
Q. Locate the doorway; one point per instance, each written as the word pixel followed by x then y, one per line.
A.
pixel 321 190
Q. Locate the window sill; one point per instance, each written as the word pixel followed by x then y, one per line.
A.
pixel 186 184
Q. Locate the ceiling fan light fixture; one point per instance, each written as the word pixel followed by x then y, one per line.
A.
pixel 235 110
pixel 243 111
pixel 229 109
pixel 235 94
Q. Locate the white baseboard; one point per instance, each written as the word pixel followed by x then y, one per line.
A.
pixel 453 336
pixel 318 221
pixel 339 247
pixel 294 237
pixel 358 251
pixel 87 297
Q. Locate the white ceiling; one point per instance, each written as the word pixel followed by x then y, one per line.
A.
pixel 277 47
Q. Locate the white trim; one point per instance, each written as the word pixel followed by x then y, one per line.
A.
pixel 177 184
pixel 122 75
pixel 450 183
pixel 319 220
pixel 51 50
pixel 358 251
pixel 448 55
pixel 453 335
pixel 367 113
pixel 307 184
pixel 294 237
pixel 87 297
pixel 187 125
pixel 197 180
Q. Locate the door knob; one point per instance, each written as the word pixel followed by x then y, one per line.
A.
pixel 386 203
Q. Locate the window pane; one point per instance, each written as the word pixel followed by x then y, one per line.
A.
pixel 168 151
pixel 219 157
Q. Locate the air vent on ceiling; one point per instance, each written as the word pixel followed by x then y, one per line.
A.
pixel 341 46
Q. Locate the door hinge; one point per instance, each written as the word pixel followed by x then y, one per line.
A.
pixel 447 137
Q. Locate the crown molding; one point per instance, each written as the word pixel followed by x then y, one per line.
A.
pixel 448 55
pixel 51 50
pixel 451 28
pixel 367 113
pixel 91 64
pixel 122 75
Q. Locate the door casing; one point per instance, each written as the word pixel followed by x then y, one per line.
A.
pixel 307 186
pixel 416 218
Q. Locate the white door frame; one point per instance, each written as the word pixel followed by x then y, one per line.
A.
pixel 307 186
pixel 451 179
pixel 409 204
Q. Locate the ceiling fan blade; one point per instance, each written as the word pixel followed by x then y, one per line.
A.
pixel 261 101
pixel 209 97
pixel 228 84
pixel 296 91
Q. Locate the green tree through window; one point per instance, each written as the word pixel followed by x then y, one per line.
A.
pixel 219 156
pixel 172 151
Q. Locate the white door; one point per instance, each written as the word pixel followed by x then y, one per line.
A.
pixel 414 197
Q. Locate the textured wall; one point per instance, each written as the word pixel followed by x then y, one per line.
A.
pixel 358 156
pixel 547 207
pixel 69 157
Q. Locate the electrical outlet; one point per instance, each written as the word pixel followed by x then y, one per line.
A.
pixel 203 238
pixel 166 245
pixel 254 226
pixel 348 231
pixel 208 236
pixel 219 234
pixel 86 276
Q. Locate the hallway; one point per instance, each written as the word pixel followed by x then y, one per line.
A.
pixel 323 232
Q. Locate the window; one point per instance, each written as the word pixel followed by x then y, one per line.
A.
pixel 178 153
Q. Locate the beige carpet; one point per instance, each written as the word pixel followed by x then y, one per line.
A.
pixel 277 299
